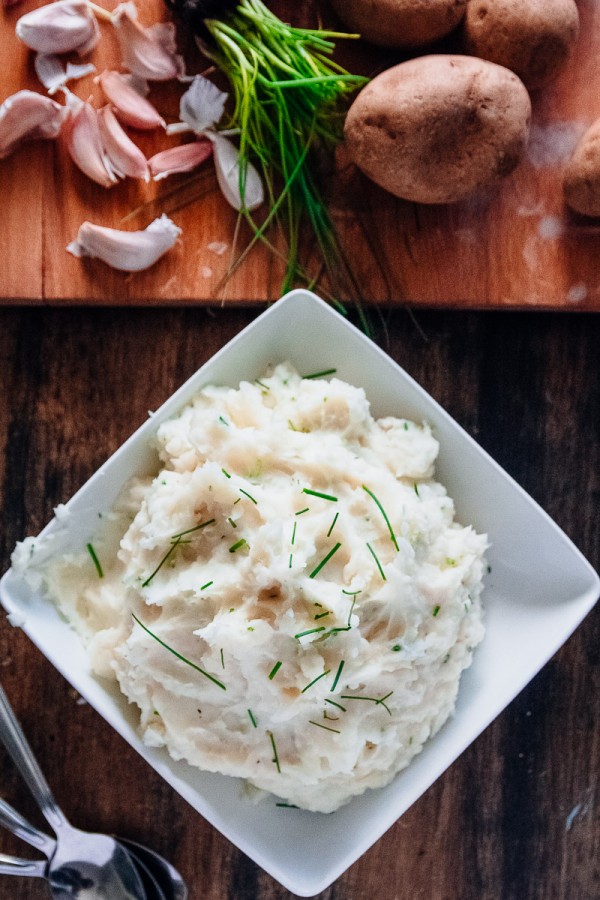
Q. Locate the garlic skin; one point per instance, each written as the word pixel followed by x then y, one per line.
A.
pixel 203 104
pixel 26 116
pixel 125 157
pixel 60 28
pixel 131 107
pixel 227 164
pixel 85 144
pixel 128 251
pixel 51 71
pixel 149 53
pixel 183 158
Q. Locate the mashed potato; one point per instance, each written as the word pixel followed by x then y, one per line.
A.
pixel 289 600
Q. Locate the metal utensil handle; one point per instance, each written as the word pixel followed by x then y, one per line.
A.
pixel 19 826
pixel 15 742
pixel 13 865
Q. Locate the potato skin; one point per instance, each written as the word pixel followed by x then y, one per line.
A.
pixel 534 38
pixel 581 177
pixel 401 23
pixel 436 128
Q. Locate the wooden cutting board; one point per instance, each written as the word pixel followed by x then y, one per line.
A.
pixel 514 247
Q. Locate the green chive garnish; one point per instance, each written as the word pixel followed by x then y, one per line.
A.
pixel 384 514
pixel 290 562
pixel 314 681
pixel 181 534
pixel 237 545
pixel 294 533
pixel 309 631
pixel 224 421
pixel 179 656
pixel 351 593
pixel 174 545
pixel 333 703
pixel 231 522
pixel 204 586
pixel 322 615
pixel 300 511
pixel 325 560
pixel 436 610
pixel 351 609
pixel 275 670
pixel 287 805
pixel 275 756
pixel 249 496
pixel 319 494
pixel 222 659
pixel 252 719
pixel 416 487
pixel 320 374
pixel 262 384
pixel 332 526
pixel 406 426
pixel 337 676
pixel 397 647
pixel 225 473
pixel 326 727
pixel 95 560
pixel 379 701
pixel 374 555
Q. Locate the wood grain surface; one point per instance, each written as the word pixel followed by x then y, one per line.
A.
pixel 512 247
pixel 516 817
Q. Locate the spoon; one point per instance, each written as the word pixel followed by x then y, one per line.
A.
pixel 167 876
pixel 83 865
pixel 19 826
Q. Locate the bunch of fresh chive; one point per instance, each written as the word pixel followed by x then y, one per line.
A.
pixel 289 100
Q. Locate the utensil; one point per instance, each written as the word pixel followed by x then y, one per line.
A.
pixel 92 865
pixel 160 879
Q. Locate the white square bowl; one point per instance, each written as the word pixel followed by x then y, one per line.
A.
pixel 539 589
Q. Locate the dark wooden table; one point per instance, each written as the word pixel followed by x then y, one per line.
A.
pixel 516 817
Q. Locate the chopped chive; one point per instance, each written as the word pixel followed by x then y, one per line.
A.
pixel 249 496
pixel 337 676
pixel 275 670
pixel 384 514
pixel 173 546
pixel 314 681
pixel 397 647
pixel 309 631
pixel 378 701
pixel 450 561
pixel 231 522
pixel 275 756
pixel 436 610
pixel 179 656
pixel 181 534
pixel 322 615
pixel 351 610
pixel 237 545
pixel 351 593
pixel 300 511
pixel 325 560
pixel 406 426
pixel 252 719
pixel 224 421
pixel 318 604
pixel 446 658
pixel 290 562
pixel 95 560
pixel 222 659
pixel 326 727
pixel 262 384
pixel 294 533
pixel 332 526
pixel 225 473
pixel 319 494
pixel 333 703
pixel 320 374
pixel 334 630
pixel 416 487
pixel 287 805
pixel 330 718
pixel 374 555
pixel 204 586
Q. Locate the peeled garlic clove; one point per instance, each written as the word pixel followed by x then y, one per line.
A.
pixel 59 28
pixel 128 251
pixel 151 52
pixel 85 144
pixel 125 157
pixel 26 116
pixel 130 106
pixel 183 158
pixel 227 164
pixel 50 70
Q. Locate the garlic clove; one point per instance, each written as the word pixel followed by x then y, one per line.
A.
pixel 203 104
pixel 85 144
pixel 125 157
pixel 128 251
pixel 227 164
pixel 183 158
pixel 25 116
pixel 59 28
pixel 50 70
pixel 151 52
pixel 130 106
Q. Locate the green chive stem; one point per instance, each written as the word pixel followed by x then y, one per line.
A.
pixel 178 655
pixel 325 560
pixel 249 496
pixel 332 526
pixel 337 676
pixel 374 555
pixel 314 681
pixel 252 719
pixel 384 514
pixel 95 560
pixel 309 631
pixel 326 727
pixel 319 494
pixel 320 374
pixel 275 670
pixel 275 756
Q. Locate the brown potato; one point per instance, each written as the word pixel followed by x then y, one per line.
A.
pixel 533 38
pixel 581 177
pixel 436 128
pixel 401 23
